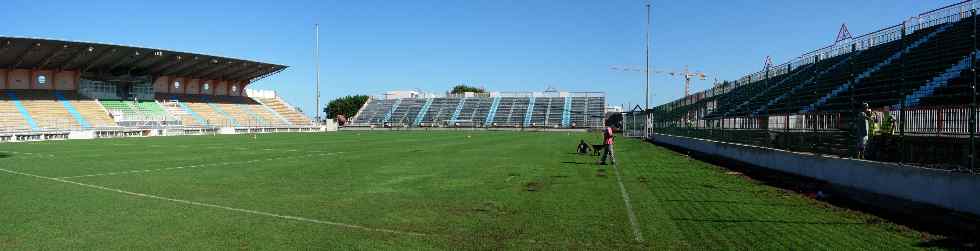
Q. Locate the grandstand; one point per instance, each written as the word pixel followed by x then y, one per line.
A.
pixel 55 86
pixel 490 110
pixel 920 71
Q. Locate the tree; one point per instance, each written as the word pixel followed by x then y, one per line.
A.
pixel 460 89
pixel 345 106
pixel 615 121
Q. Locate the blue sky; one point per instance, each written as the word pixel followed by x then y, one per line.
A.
pixel 369 46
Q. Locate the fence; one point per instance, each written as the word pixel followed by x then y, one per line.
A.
pixel 939 137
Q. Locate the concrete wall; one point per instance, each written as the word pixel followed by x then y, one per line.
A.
pixel 193 86
pixel 950 190
pixel 26 79
pixel 220 88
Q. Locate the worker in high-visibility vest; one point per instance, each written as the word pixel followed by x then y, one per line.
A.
pixel 887 126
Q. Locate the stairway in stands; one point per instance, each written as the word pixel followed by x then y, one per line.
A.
pixel 422 112
pixel 936 82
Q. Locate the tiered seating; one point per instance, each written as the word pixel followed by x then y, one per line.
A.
pixel 407 110
pixel 733 101
pixel 50 110
pixel 539 112
pixel 957 91
pixel 135 110
pixel 246 111
pixel 374 112
pixel 286 111
pixel 556 106
pixel 10 117
pixel 441 110
pixel 596 111
pixel 922 63
pixel 90 110
pixel 547 112
pixel 782 85
pixel 511 111
pixel 588 111
pixel 200 108
pixel 45 109
pixel 68 110
pixel 476 111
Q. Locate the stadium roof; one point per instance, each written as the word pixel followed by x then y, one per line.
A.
pixel 46 54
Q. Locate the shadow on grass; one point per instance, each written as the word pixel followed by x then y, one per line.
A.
pixel 735 203
pixel 949 244
pixel 4 155
pixel 770 221
pixel 946 229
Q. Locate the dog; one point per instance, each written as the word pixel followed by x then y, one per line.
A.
pixel 597 149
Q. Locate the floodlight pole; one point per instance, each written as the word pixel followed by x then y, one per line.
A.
pixel 646 71
pixel 316 60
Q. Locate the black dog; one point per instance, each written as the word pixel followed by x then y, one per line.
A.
pixel 597 149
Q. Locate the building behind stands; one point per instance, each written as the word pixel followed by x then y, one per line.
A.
pixel 551 109
pixel 49 88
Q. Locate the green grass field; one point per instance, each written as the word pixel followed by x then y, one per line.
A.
pixel 404 191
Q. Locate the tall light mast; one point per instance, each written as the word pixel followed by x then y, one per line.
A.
pixel 316 60
pixel 646 71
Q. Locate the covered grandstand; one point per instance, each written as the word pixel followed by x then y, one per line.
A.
pixel 487 110
pixel 921 72
pixel 53 87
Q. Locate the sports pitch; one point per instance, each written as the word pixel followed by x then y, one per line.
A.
pixel 402 191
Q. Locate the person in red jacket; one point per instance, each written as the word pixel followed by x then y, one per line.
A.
pixel 608 152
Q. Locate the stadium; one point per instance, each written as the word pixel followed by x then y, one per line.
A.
pixel 865 144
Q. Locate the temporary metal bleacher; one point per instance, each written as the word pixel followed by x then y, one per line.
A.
pixel 508 110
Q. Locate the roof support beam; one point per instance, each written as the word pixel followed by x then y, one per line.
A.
pixel 163 64
pixel 75 57
pixel 250 80
pixel 153 58
pixel 22 56
pixel 193 63
pixel 242 68
pixel 242 76
pixel 5 46
pixel 44 63
pixel 216 69
pixel 135 54
pixel 99 59
pixel 196 70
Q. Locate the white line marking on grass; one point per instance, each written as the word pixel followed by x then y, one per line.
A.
pixel 629 206
pixel 193 166
pixel 201 204
pixel 29 155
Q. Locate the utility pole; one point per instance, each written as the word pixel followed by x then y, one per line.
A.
pixel 316 60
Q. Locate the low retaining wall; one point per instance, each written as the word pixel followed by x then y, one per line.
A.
pixel 950 190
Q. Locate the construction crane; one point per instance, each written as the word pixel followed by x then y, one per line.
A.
pixel 687 74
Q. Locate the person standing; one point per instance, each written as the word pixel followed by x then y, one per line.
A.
pixel 863 129
pixel 608 152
